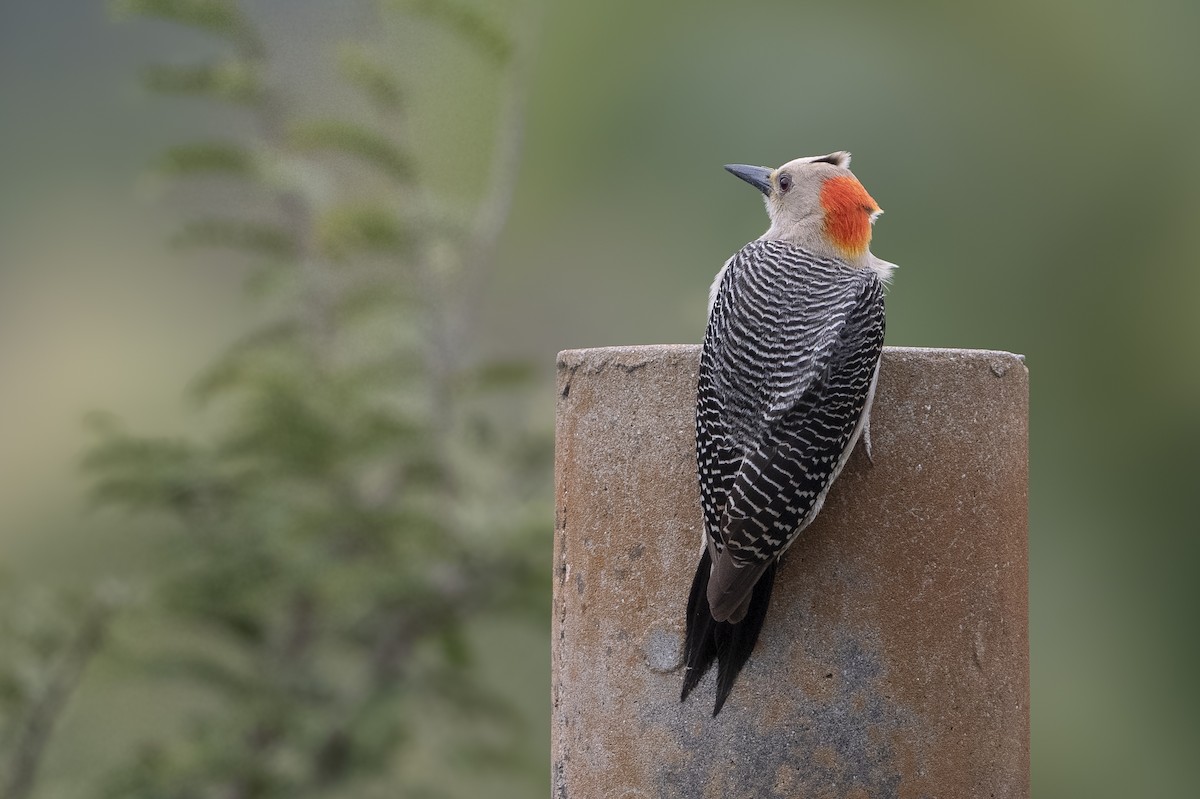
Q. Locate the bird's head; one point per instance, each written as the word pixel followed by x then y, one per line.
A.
pixel 816 203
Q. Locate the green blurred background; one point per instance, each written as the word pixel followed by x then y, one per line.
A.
pixel 1039 169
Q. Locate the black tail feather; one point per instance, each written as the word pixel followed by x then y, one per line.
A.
pixel 699 646
pixel 735 642
pixel 730 644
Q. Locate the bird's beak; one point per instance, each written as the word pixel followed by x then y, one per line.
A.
pixel 757 176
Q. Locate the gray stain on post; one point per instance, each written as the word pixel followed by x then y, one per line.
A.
pixel 894 660
pixel 843 740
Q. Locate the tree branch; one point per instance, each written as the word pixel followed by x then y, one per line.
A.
pixel 34 735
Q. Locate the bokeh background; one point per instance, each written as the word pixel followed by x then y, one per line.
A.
pixel 1038 165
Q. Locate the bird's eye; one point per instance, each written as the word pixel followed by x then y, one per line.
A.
pixel 785 182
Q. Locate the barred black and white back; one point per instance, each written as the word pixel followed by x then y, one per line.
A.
pixel 788 370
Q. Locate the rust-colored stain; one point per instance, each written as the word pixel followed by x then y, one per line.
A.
pixel 894 659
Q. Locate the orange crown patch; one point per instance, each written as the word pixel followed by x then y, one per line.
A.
pixel 848 210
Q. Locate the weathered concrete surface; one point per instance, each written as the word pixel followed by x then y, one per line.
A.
pixel 894 658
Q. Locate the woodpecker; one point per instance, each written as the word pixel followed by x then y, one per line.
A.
pixel 787 374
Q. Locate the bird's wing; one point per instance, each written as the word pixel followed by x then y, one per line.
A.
pixel 717 457
pixel 818 389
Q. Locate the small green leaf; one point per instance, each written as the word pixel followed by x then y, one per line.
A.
pixel 218 17
pixel 232 80
pixel 152 473
pixel 346 230
pixel 249 360
pixel 207 158
pixel 255 237
pixel 364 70
pixel 471 25
pixel 288 427
pixel 373 148
pixel 383 298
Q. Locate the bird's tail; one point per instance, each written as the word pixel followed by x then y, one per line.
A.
pixel 729 643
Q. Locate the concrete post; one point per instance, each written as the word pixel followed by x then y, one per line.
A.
pixel 894 659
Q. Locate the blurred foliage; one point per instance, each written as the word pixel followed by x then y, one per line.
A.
pixel 48 639
pixel 361 498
